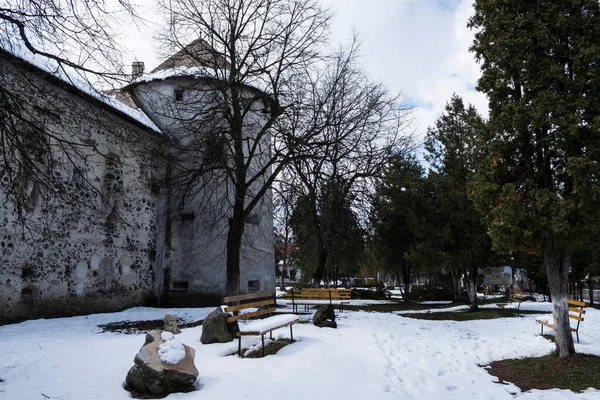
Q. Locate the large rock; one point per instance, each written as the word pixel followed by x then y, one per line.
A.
pixel 150 375
pixel 171 324
pixel 215 328
pixel 325 317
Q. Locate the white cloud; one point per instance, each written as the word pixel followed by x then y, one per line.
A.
pixel 418 47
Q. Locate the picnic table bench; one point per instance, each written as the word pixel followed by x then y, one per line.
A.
pixel 575 312
pixel 254 305
pixel 514 296
pixel 315 296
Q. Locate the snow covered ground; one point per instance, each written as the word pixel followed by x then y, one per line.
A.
pixel 370 356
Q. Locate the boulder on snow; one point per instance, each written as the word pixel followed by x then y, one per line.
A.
pixel 171 324
pixel 162 366
pixel 325 317
pixel 215 328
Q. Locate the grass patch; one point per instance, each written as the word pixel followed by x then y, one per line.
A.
pixel 400 306
pixel 136 327
pixel 482 313
pixel 550 338
pixel 270 349
pixel 576 373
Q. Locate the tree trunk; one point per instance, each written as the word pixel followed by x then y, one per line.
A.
pixel 321 265
pixel 590 285
pixel 557 268
pixel 406 280
pixel 471 283
pixel 234 244
pixel 456 284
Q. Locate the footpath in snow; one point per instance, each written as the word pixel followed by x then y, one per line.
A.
pixel 370 356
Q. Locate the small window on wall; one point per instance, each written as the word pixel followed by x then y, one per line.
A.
pixel 179 286
pixel 187 217
pixel 253 219
pixel 253 286
pixel 178 94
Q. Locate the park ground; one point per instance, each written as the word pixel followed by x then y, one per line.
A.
pixel 372 355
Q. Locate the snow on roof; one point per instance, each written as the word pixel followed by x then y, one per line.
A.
pixel 199 72
pixel 52 67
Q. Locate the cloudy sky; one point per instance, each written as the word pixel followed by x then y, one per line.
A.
pixel 417 47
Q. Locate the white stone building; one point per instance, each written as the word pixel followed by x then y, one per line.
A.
pixel 122 230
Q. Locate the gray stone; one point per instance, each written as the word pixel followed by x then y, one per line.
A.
pixel 150 375
pixel 215 328
pixel 171 324
pixel 325 317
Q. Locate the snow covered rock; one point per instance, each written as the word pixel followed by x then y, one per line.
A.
pixel 325 317
pixel 163 366
pixel 215 328
pixel 171 324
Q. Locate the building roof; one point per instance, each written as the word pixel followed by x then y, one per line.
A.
pixel 196 54
pixel 70 78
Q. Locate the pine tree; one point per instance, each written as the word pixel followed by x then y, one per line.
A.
pixel 541 72
pixel 454 151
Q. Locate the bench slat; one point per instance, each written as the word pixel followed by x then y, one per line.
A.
pixel 577 310
pixel 250 314
pixel 249 296
pixel 267 330
pixel 578 318
pixel 249 305
pixel 577 303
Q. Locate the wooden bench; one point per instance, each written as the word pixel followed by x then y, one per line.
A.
pixel 514 296
pixel 314 296
pixel 254 305
pixel 575 312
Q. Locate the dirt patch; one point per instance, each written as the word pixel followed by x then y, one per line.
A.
pixel 482 313
pixel 138 395
pixel 136 327
pixel 270 349
pixel 576 373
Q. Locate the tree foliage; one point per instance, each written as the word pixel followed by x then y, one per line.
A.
pixel 454 148
pixel 540 70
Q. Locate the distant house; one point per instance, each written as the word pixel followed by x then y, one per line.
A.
pixel 111 226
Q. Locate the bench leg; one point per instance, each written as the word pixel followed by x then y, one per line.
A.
pixel 240 347
pixel 271 335
pixel 577 333
pixel 291 333
pixel 262 337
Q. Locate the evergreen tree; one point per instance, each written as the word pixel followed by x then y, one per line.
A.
pixel 540 70
pixel 398 222
pixel 454 151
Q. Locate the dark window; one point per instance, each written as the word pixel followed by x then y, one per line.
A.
pixel 253 286
pixel 187 217
pixel 253 219
pixel 181 286
pixel 178 94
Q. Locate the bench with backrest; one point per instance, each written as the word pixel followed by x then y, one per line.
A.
pixel 315 296
pixel 576 312
pixel 514 296
pixel 251 307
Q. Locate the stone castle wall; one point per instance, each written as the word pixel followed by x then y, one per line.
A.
pixel 83 238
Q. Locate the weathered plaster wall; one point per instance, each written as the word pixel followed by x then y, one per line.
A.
pixel 90 246
pixel 197 264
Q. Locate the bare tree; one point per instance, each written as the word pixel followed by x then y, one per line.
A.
pixel 71 40
pixel 254 57
pixel 362 126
